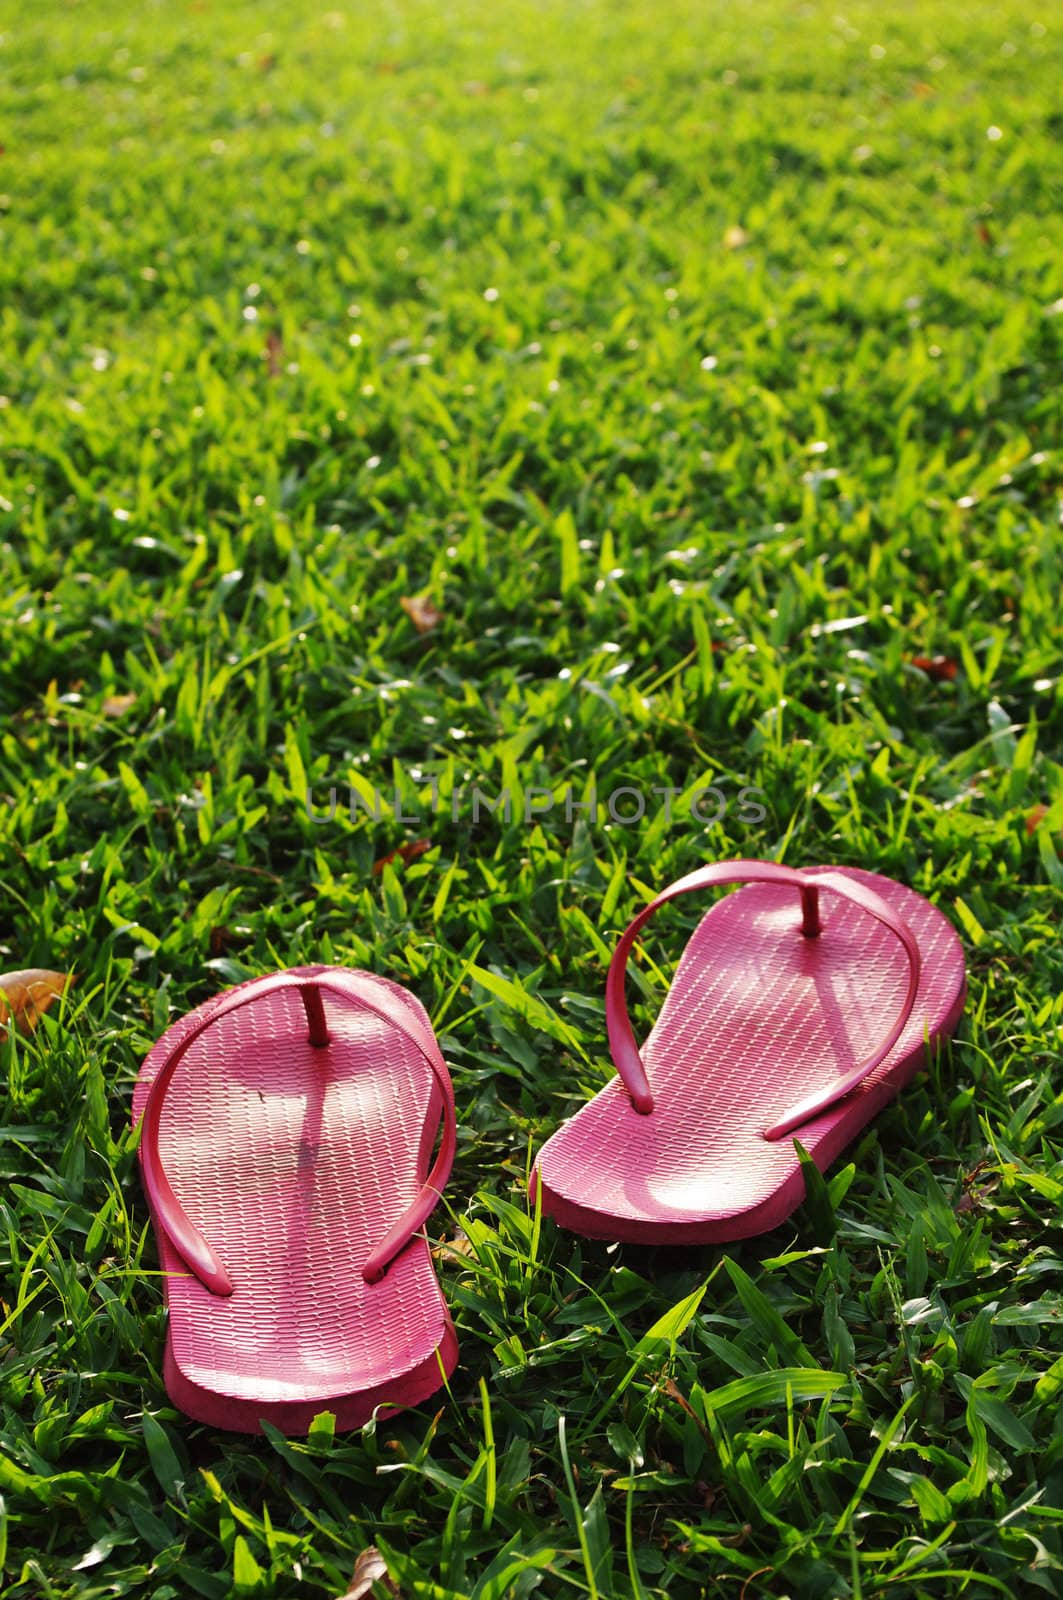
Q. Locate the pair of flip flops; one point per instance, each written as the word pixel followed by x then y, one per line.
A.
pixel 288 1129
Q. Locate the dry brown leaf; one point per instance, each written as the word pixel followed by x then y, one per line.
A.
pixel 453 1249
pixel 406 852
pixel 116 705
pixel 1034 817
pixel 25 996
pixel 735 237
pixel 370 1568
pixel 274 352
pixel 422 613
pixel 672 1389
pixel 941 668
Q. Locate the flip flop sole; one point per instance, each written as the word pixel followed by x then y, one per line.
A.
pixel 295 1416
pixel 293 1161
pixel 756 1019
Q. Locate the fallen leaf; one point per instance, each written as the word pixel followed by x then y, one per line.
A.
pixel 421 612
pixel 370 1568
pixel 116 705
pixel 25 996
pixel 735 237
pixel 923 90
pixel 274 352
pixel 941 668
pixel 984 235
pixel 672 1389
pixel 737 1540
pixel 453 1249
pixel 405 852
pixel 1035 817
pixel 267 63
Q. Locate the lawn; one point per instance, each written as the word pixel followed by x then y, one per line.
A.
pixel 540 399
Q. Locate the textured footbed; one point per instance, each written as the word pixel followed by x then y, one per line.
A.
pixel 756 1018
pixel 293 1162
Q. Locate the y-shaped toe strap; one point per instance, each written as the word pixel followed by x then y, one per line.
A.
pixel 625 1053
pixel 364 991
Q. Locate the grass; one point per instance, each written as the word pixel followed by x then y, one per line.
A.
pixel 698 362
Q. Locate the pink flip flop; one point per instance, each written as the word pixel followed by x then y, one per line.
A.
pixel 801 1005
pixel 285 1156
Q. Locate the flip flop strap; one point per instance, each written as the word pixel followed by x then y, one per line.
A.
pixel 622 1046
pixel 371 995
